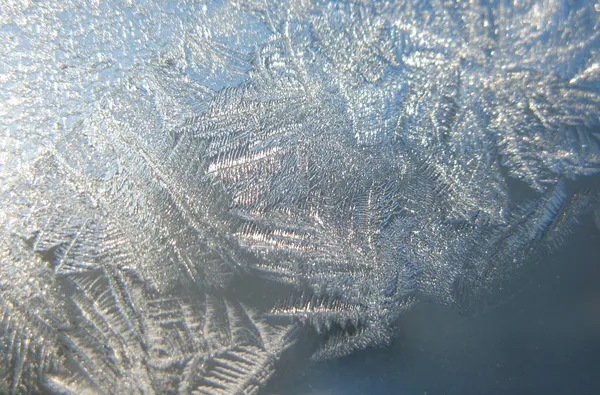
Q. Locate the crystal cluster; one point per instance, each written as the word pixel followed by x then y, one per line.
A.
pixel 157 155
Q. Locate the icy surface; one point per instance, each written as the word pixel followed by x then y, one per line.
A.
pixel 155 155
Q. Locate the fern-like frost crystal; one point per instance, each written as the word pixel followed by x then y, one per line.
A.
pixel 337 160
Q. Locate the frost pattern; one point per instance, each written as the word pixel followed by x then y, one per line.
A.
pixel 363 156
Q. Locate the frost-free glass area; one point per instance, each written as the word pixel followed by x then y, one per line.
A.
pixel 299 197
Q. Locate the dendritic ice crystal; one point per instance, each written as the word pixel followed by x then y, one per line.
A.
pixel 156 157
